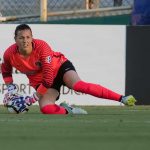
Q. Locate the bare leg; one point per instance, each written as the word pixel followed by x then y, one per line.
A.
pixel 47 103
pixel 48 98
pixel 70 78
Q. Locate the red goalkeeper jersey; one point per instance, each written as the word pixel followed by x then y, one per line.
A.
pixel 41 66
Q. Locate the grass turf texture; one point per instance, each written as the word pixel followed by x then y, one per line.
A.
pixel 104 128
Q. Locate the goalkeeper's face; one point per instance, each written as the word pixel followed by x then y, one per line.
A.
pixel 24 41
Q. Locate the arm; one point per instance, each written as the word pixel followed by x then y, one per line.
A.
pixel 6 69
pixel 46 55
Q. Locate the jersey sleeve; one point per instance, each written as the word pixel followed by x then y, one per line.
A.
pixel 46 54
pixel 6 68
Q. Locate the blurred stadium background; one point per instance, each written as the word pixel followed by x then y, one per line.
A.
pixel 31 11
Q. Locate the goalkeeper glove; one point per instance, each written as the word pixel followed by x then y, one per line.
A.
pixel 12 89
pixel 11 93
pixel 31 99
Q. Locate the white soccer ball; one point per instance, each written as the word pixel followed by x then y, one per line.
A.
pixel 16 106
pixel 11 110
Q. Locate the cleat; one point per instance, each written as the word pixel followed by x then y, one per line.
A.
pixel 73 110
pixel 128 100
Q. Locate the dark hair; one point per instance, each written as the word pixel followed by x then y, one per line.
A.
pixel 22 27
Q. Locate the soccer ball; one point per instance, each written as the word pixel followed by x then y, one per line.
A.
pixel 11 110
pixel 17 105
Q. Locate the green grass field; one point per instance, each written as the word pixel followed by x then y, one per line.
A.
pixel 104 128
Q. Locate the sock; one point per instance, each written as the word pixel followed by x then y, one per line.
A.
pixel 96 90
pixel 53 109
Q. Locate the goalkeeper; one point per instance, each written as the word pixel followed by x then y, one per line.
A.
pixel 47 71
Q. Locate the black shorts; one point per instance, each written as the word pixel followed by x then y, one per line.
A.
pixel 58 81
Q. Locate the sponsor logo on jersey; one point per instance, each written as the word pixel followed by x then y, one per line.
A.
pixel 48 59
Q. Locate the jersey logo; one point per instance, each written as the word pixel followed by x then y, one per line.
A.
pixel 48 59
